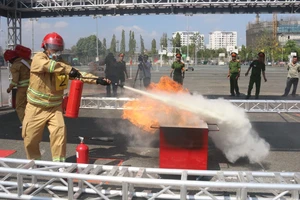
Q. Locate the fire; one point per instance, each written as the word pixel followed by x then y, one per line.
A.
pixel 146 113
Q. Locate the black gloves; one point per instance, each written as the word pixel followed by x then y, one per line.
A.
pixel 74 73
pixel 102 81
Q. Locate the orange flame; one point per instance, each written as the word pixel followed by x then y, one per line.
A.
pixel 146 112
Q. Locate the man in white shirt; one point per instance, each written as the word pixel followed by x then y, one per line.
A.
pixel 292 77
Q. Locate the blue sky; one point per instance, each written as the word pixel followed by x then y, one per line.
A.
pixel 149 26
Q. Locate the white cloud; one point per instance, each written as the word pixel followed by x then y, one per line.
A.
pixel 40 28
pixel 137 30
pixel 43 25
pixel 61 24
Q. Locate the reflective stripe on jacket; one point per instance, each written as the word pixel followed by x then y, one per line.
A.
pixel 20 73
pixel 42 89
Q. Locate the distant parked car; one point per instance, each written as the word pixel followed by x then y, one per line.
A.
pixel 190 68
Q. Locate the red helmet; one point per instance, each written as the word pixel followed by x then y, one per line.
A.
pixel 53 41
pixel 10 54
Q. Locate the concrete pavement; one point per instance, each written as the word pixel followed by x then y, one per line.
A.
pixel 136 148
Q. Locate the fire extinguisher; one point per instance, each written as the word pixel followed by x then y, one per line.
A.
pixel 65 102
pixel 74 99
pixel 82 152
pixel 13 97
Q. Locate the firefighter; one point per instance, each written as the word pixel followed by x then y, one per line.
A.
pixel 258 66
pixel 178 69
pixel 20 70
pixel 234 74
pixel 49 76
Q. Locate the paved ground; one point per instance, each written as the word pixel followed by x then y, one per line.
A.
pixel 137 148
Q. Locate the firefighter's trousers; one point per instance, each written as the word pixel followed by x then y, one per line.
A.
pixel 21 101
pixel 35 120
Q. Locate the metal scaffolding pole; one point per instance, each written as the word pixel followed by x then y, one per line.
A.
pixel 29 179
pixel 258 106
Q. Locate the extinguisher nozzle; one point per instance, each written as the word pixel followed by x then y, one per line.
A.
pixel 119 84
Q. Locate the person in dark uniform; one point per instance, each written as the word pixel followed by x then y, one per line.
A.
pixel 234 74
pixel 258 67
pixel 178 69
pixel 111 73
pixel 145 70
pixel 122 71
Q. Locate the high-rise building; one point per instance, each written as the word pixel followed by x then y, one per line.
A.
pixel 286 29
pixel 187 37
pixel 222 39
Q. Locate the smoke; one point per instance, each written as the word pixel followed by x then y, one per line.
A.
pixel 134 135
pixel 236 137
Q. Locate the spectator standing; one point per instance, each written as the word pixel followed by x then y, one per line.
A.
pixel 122 71
pixel 234 74
pixel 111 73
pixel 292 77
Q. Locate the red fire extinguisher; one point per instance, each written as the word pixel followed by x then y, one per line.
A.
pixel 82 152
pixel 65 103
pixel 74 99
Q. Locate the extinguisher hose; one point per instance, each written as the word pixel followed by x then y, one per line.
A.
pixel 102 139
pixel 93 78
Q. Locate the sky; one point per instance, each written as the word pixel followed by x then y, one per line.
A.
pixel 149 26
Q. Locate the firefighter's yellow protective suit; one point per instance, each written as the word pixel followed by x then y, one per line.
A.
pixel 48 79
pixel 20 71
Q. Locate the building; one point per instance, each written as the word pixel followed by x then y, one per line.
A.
pixel 186 37
pixel 284 29
pixel 222 39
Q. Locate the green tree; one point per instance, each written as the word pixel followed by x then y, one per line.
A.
pixel 153 47
pixel 86 48
pixel 113 44
pixel 132 43
pixel 290 46
pixel 243 53
pixel 164 40
pixel 142 45
pixel 164 43
pixel 123 47
pixel 177 41
pixel 195 46
pixel 104 47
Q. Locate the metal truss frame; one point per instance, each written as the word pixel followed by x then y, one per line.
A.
pixel 28 179
pixel 277 106
pixel 273 106
pixel 59 8
pixel 13 22
pixel 104 102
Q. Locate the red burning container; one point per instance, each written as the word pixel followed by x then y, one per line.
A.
pixel 184 147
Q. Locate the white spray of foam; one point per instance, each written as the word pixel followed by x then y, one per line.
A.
pixel 236 137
